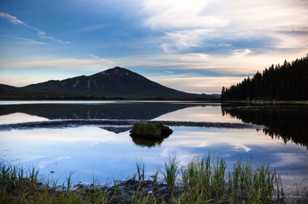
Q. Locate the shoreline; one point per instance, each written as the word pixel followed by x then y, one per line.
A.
pixel 111 122
pixel 201 101
pixel 199 181
pixel 264 102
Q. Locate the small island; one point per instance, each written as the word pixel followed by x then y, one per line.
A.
pixel 150 130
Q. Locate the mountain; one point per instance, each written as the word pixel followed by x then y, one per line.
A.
pixel 115 83
pixel 7 91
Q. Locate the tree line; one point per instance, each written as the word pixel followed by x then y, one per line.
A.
pixel 288 81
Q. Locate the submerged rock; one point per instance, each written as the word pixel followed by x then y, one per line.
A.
pixel 150 130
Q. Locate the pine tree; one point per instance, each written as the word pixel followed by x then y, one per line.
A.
pixel 288 81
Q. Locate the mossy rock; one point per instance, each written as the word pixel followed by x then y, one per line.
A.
pixel 150 130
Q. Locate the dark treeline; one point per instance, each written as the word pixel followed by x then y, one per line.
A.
pixel 278 82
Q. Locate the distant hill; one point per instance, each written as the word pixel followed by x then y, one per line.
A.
pixel 281 82
pixel 115 83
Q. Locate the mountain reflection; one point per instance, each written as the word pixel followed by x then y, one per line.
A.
pixel 116 129
pixel 288 122
pixel 138 111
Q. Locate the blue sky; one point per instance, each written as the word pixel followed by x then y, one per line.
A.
pixel 193 45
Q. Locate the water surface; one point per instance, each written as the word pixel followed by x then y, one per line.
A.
pixel 107 152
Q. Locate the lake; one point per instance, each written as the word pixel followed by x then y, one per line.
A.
pixel 91 141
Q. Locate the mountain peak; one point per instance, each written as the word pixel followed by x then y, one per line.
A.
pixel 117 70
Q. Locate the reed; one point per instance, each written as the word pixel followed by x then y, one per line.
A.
pixel 201 181
pixel 206 181
pixel 170 175
pixel 140 171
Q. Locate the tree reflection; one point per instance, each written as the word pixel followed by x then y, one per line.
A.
pixel 288 122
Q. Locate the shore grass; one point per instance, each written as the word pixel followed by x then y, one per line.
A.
pixel 209 181
pixel 201 181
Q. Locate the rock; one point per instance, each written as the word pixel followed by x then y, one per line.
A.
pixel 150 130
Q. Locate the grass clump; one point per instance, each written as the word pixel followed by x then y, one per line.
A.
pixel 140 171
pixel 18 186
pixel 170 175
pixel 207 181
pixel 200 182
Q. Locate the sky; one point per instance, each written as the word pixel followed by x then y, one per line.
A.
pixel 192 45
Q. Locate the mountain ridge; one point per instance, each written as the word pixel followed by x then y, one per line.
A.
pixel 114 83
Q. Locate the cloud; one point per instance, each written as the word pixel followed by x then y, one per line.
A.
pixel 58 63
pixel 197 84
pixel 295 31
pixel 187 24
pixel 182 40
pixel 241 52
pixel 240 61
pixel 22 40
pixel 45 36
pixel 12 19
pixel 41 34
pixel 29 41
pixel 170 14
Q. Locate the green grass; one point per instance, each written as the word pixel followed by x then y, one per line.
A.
pixel 208 180
pixel 200 182
pixel 18 186
pixel 170 175
pixel 140 172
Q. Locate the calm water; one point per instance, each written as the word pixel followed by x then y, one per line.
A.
pixel 107 152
